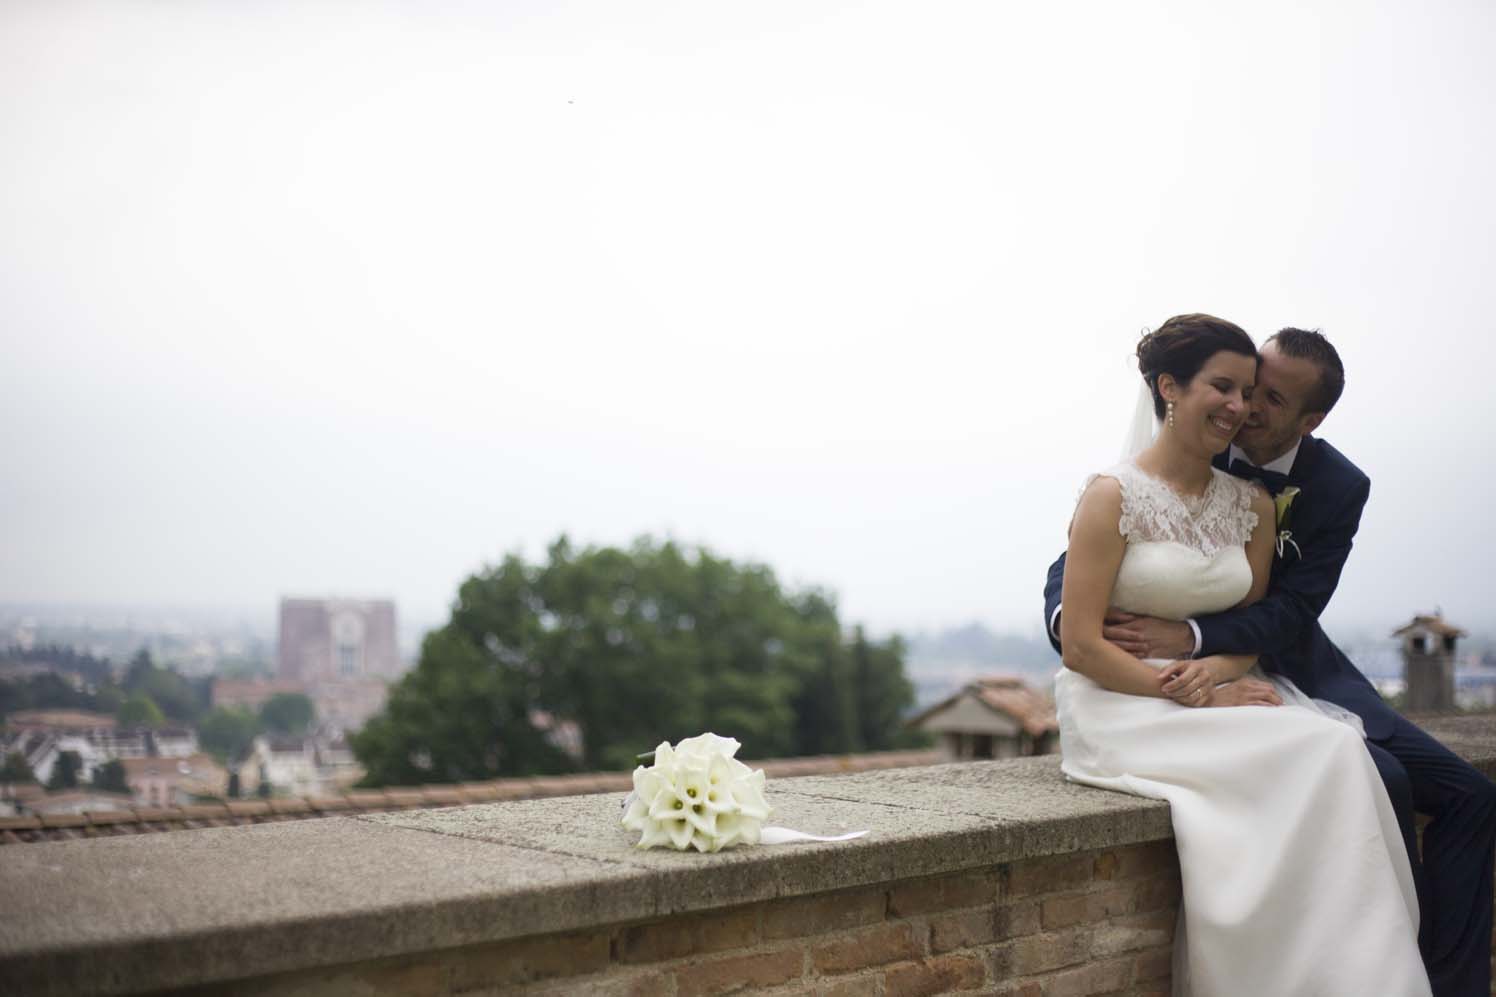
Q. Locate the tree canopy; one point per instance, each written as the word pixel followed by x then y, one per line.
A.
pixel 632 647
pixel 288 713
pixel 140 710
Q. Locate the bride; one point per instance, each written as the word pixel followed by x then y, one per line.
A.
pixel 1296 881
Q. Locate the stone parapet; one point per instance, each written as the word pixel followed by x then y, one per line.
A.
pixel 991 876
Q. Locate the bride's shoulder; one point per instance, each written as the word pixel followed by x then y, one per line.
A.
pixel 1108 494
pixel 1120 478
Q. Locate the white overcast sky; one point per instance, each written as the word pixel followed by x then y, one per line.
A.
pixel 352 298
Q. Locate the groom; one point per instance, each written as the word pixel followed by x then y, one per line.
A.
pixel 1299 379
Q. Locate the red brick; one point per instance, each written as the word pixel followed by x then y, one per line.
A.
pixel 1048 875
pixel 687 935
pixel 654 942
pixel 1128 933
pixel 823 913
pixel 965 929
pixel 527 959
pixel 938 974
pixel 1157 893
pixel 1017 920
pixel 1042 953
pixel 1029 989
pixel 650 984
pixel 1096 978
pixel 942 893
pixel 849 986
pixel 732 929
pixel 1063 911
pixel 1105 866
pixel 737 973
pixel 1156 858
pixel 1110 903
pixel 869 947
pixel 1155 964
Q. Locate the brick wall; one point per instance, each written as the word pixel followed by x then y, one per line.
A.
pixel 1064 926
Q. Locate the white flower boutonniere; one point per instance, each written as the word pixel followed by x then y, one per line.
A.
pixel 1283 507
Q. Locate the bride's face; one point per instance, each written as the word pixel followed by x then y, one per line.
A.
pixel 1210 409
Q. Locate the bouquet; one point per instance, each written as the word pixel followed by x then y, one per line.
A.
pixel 697 795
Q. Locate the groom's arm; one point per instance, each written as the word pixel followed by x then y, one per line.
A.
pixel 1052 587
pixel 1301 588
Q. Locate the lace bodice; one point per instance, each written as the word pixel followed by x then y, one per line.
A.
pixel 1152 511
pixel 1184 556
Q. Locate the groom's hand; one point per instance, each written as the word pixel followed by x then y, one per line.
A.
pixel 1148 636
pixel 1246 692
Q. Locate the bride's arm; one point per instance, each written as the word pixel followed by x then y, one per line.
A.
pixel 1091 564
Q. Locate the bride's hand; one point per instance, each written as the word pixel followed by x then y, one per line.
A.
pixel 1188 683
pixel 1246 692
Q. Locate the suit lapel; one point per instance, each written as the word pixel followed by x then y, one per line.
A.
pixel 1306 461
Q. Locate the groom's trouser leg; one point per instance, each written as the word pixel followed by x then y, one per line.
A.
pixel 1459 852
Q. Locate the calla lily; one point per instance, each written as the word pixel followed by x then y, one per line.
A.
pixel 697 795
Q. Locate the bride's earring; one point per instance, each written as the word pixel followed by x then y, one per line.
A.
pixel 1169 414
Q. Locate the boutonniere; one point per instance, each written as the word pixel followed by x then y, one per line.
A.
pixel 1283 507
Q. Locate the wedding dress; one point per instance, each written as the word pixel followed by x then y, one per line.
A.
pixel 1295 878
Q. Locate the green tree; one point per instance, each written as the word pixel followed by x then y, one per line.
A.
pixel 110 777
pixel 234 790
pixel 16 769
pixel 288 713
pixel 140 710
pixel 65 771
pixel 884 694
pixel 634 646
pixel 228 733
pixel 178 698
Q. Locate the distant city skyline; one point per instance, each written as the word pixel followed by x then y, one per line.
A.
pixel 849 291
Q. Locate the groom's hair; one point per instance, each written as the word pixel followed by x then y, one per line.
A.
pixel 1311 345
pixel 1181 346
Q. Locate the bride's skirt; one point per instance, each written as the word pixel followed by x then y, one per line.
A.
pixel 1296 882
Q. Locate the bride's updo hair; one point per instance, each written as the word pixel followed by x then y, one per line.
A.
pixel 1181 346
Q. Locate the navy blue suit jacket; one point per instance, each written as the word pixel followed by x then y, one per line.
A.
pixel 1283 627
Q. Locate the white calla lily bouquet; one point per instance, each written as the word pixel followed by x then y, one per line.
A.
pixel 697 795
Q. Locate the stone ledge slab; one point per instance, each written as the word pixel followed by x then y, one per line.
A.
pixel 123 915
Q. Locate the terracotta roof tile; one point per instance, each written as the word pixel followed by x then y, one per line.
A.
pixel 144 820
pixel 289 805
pixel 25 822
pixel 328 804
pixel 366 799
pixel 248 808
pixel 481 792
pixel 442 796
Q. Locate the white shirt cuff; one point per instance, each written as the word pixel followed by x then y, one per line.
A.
pixel 1194 627
pixel 1054 626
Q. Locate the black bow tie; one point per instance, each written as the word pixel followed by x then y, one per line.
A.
pixel 1271 480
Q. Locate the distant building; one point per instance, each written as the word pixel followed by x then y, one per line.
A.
pixel 1428 662
pixel 76 801
pixel 342 653
pixel 73 720
pixel 997 717
pixel 251 694
pixel 167 782
pixel 337 640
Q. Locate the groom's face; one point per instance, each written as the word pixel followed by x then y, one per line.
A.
pixel 1277 419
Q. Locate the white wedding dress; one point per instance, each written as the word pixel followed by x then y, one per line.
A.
pixel 1296 882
